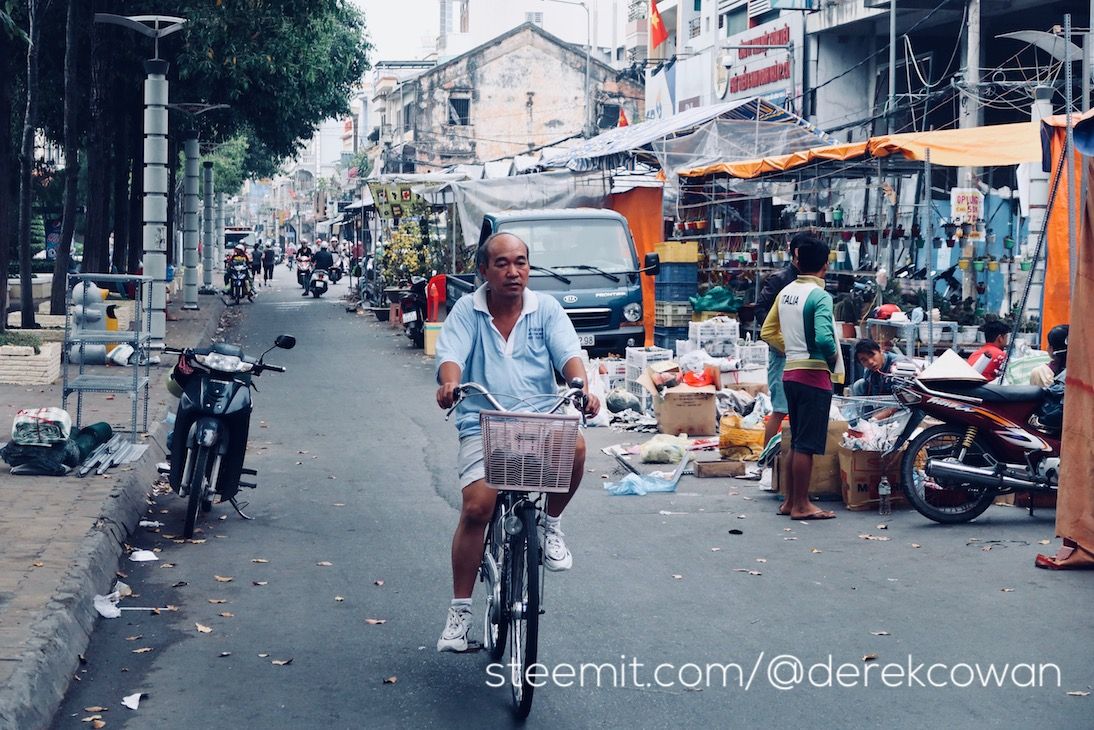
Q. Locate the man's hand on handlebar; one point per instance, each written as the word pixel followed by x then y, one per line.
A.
pixel 592 405
pixel 447 395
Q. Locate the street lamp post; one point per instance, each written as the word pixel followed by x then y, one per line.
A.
pixel 155 162
pixel 208 246
pixel 587 126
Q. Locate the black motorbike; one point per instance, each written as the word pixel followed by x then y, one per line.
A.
pixel 209 441
pixel 303 271
pixel 412 304
pixel 239 285
pixel 337 270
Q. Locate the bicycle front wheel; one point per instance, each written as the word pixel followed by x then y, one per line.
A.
pixel 523 605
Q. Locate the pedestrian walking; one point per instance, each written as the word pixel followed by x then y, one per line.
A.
pixel 267 264
pixel 801 326
pixel 256 262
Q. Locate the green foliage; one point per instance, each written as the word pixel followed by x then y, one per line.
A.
pixel 404 256
pixel 21 339
pixel 37 234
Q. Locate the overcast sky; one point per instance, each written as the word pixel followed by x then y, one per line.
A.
pixel 399 28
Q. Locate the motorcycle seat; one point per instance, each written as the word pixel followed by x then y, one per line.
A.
pixel 992 392
pixel 225 348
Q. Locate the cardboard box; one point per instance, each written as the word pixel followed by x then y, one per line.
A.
pixel 682 408
pixel 1038 500
pixel 860 472
pixel 724 468
pixel 824 480
pixel 753 389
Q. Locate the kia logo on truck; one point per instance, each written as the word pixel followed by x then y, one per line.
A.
pixel 569 299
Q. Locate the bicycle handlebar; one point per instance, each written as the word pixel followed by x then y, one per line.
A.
pixel 574 395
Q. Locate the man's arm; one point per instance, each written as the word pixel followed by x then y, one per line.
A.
pixel 453 348
pixel 772 332
pixel 824 327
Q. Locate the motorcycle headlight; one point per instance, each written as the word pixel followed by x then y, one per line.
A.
pixel 224 363
pixel 632 312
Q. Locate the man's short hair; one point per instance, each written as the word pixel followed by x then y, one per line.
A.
pixel 812 253
pixel 799 238
pixel 482 255
pixel 866 347
pixel 994 330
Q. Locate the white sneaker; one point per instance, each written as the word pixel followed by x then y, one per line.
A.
pixel 456 629
pixel 556 556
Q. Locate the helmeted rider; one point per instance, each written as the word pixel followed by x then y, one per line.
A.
pixel 239 255
pixel 323 257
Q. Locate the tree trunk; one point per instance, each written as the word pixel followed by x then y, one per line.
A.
pixel 136 198
pixel 121 195
pixel 98 190
pixel 7 164
pixel 26 164
pixel 72 158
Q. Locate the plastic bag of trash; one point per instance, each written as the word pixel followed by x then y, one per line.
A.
pixel 663 449
pixel 620 400
pixel 638 485
pixel 734 434
pixel 760 409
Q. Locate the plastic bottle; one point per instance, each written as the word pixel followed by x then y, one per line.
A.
pixel 884 494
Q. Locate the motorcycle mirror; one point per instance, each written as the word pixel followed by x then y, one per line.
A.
pixel 285 342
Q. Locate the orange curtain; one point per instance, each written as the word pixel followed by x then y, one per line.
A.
pixel 1075 500
pixel 1057 306
pixel 642 209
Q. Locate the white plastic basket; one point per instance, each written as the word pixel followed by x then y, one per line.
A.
pixel 717 336
pixel 528 452
pixel 753 354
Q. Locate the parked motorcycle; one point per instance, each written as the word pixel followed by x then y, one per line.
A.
pixel 412 304
pixel 319 283
pixel 209 441
pixel 990 442
pixel 239 284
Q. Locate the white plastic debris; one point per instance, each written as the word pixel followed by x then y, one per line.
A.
pixel 142 556
pixel 150 523
pixel 123 589
pixel 133 700
pixel 107 606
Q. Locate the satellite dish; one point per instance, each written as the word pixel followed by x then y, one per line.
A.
pixel 1056 46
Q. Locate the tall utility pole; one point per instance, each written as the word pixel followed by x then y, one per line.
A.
pixel 190 223
pixel 155 162
pixel 220 228
pixel 890 109
pixel 971 113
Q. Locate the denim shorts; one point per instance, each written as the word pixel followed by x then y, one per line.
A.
pixel 775 365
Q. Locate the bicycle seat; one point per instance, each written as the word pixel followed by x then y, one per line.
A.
pixel 992 392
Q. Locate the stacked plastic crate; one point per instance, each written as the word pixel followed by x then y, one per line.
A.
pixel 674 286
pixel 718 336
pixel 638 359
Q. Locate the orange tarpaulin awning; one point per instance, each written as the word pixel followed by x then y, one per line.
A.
pixel 1000 144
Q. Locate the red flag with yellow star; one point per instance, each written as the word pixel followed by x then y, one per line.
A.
pixel 658 33
pixel 622 122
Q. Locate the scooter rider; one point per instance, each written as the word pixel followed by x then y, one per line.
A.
pixel 239 255
pixel 323 259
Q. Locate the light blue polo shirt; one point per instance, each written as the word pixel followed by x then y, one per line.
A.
pixel 542 341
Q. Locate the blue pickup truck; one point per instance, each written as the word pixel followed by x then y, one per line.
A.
pixel 586 259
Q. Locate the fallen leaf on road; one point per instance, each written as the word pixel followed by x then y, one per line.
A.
pixel 168 565
pixel 880 633
pixel 180 584
pixel 260 582
pixel 227 614
pixel 142 650
pixel 96 708
pixel 324 563
pixel 1043 542
pixel 37 564
pixel 203 629
pixel 375 621
pixel 282 662
pixel 224 654
pixel 98 724
pixel 134 638
pixel 91 718
pixel 259 560
pixel 869 657
pixel 377 582
pixel 815 550
pixel 223 578
pixel 216 601
pixel 391 680
pixel 121 574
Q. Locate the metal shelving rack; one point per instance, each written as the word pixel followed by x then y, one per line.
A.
pixel 138 336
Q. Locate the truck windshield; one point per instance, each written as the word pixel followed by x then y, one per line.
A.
pixel 565 244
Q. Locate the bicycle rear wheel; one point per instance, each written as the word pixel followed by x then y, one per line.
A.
pixel 523 608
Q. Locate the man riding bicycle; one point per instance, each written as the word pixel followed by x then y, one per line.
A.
pixel 511 340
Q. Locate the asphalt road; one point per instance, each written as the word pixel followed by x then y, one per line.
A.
pixel 356 469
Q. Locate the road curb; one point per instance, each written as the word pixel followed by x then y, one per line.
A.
pixel 37 687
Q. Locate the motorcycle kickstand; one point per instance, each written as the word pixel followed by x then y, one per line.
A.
pixel 239 509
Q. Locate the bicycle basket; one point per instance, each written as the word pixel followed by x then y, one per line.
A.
pixel 528 452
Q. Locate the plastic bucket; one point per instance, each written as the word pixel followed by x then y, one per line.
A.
pixel 432 332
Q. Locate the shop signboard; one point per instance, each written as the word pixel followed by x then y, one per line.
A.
pixel 772 70
pixel 966 205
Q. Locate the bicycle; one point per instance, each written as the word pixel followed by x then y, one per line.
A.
pixel 526 456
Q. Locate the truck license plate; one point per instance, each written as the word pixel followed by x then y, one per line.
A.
pixel 586 340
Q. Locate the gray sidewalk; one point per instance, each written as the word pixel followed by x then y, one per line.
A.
pixel 62 537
